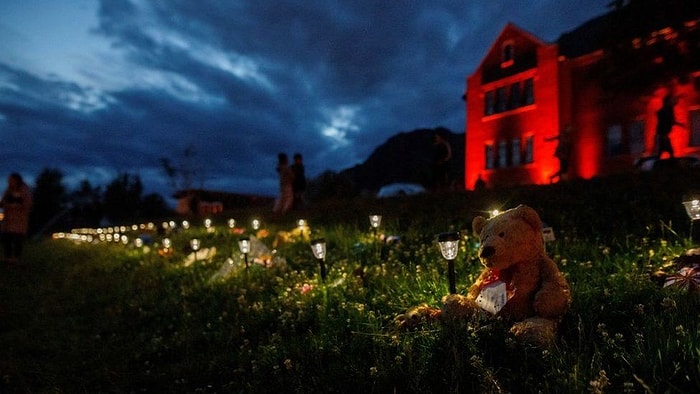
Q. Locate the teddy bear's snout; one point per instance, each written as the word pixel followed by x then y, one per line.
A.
pixel 487 252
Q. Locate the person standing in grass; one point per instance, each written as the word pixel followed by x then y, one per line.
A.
pixel 299 184
pixel 442 155
pixel 286 177
pixel 16 203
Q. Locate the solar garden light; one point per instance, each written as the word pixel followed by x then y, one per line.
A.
pixel 207 225
pixel 301 223
pixel 692 208
pixel 185 224
pixel 195 244
pixel 167 243
pixel 449 246
pixel 231 223
pixel 244 246
pixel 375 221
pixel 318 247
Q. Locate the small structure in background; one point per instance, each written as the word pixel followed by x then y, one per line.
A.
pixel 207 202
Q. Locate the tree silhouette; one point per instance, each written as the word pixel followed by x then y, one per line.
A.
pixel 182 176
pixel 86 203
pixel 49 197
pixel 122 198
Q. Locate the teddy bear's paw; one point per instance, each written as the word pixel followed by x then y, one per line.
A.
pixel 536 331
pixel 456 306
pixel 416 316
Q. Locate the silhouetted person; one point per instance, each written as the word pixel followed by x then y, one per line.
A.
pixel 16 203
pixel 480 184
pixel 562 153
pixel 299 184
pixel 442 154
pixel 665 120
pixel 286 177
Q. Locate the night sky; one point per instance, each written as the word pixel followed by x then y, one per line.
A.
pixel 100 88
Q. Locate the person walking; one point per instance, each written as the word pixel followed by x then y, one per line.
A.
pixel 16 203
pixel 562 153
pixel 665 120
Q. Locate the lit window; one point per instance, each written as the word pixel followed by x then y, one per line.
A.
pixel 490 159
pixel 636 137
pixel 695 127
pixel 614 140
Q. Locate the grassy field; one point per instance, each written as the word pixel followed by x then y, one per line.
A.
pixel 112 318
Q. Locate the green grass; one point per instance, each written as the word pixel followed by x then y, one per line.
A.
pixel 110 318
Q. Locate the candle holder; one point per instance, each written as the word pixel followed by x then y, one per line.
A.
pixel 449 246
pixel 244 247
pixel 318 247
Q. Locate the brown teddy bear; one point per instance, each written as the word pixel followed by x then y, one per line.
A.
pixel 519 282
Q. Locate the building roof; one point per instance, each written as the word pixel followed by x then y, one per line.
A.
pixel 637 19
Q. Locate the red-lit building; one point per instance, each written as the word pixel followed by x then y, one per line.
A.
pixel 604 81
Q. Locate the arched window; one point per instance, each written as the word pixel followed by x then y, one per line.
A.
pixel 507 54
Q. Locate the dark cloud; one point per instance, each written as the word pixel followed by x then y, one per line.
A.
pixel 239 81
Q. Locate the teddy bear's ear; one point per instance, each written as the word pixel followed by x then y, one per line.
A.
pixel 478 224
pixel 529 215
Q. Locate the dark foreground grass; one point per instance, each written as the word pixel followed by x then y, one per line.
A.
pixel 109 318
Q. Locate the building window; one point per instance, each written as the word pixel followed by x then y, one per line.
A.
pixel 528 92
pixel 501 99
pixel 490 103
pixel 694 117
pixel 503 154
pixel 515 151
pixel 507 54
pixel 490 156
pixel 636 137
pixel 506 98
pixel 514 97
pixel 613 139
pixel 529 149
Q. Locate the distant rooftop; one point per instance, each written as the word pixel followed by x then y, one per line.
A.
pixel 636 19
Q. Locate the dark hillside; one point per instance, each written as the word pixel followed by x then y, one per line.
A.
pixel 405 157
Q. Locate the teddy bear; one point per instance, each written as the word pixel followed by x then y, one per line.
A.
pixel 519 282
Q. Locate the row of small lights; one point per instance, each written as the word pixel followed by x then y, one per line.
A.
pixel 448 242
